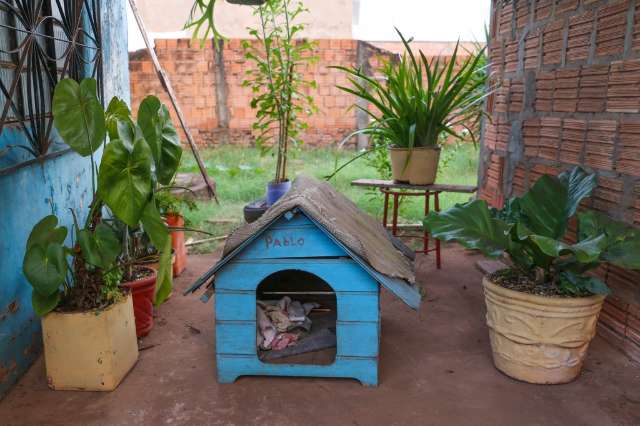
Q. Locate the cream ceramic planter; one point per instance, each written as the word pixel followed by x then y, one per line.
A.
pixel 91 350
pixel 421 168
pixel 539 339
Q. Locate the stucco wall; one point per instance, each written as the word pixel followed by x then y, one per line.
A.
pixel 327 18
pixel 31 193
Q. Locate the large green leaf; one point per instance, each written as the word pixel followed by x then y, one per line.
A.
pixel 589 249
pixel 149 123
pixel 118 110
pixel 170 149
pixel 471 225
pixel 101 247
pixel 544 207
pixel 571 283
pixel 45 267
pixel 579 185
pixel 154 226
pixel 155 122
pixel 124 180
pixel 620 242
pixel 549 246
pixel 46 231
pixel 42 305
pixel 78 115
pixel 164 282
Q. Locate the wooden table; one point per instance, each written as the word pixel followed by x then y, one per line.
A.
pixel 397 190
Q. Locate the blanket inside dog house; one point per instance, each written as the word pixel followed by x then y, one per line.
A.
pixel 315 250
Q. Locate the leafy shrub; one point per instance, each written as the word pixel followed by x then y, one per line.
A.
pixel 530 230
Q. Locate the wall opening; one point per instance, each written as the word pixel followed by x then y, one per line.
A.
pixel 296 314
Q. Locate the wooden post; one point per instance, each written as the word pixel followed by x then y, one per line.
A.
pixel 164 79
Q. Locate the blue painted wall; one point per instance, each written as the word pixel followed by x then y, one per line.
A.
pixel 38 190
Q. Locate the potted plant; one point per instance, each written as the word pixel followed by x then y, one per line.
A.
pixel 416 101
pixel 139 277
pixel 172 208
pixel 140 243
pixel 542 310
pixel 88 325
pixel 281 100
pixel 281 96
pixel 202 17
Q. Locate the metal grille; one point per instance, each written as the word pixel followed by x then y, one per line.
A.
pixel 42 42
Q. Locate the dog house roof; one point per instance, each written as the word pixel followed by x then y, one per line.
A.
pixel 384 257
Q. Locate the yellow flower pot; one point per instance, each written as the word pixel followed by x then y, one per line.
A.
pixel 539 339
pixel 91 350
pixel 418 166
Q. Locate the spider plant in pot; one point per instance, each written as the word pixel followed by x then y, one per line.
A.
pixel 281 97
pixel 415 102
pixel 542 310
pixel 85 314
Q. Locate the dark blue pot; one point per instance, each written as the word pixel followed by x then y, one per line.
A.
pixel 276 190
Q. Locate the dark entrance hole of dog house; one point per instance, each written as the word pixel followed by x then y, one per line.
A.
pixel 317 345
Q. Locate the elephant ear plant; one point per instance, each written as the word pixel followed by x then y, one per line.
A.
pixel 531 230
pixel 140 156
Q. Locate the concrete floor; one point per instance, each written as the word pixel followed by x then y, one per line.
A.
pixel 436 369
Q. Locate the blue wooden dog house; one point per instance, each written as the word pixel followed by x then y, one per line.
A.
pixel 312 236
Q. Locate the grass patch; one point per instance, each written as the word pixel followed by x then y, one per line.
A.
pixel 241 175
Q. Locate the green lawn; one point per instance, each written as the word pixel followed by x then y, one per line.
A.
pixel 242 173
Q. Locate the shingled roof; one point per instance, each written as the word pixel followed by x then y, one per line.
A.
pixel 361 235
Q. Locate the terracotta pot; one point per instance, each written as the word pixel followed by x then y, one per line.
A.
pixel 143 292
pixel 418 166
pixel 539 339
pixel 178 243
pixel 92 350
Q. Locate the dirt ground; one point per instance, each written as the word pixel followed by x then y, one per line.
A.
pixel 435 369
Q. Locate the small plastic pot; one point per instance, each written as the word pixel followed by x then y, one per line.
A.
pixel 143 292
pixel 275 190
pixel 254 210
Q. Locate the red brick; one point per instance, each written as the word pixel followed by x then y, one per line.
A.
pixel 543 9
pixel 629 158
pixel 600 144
pixel 531 49
pixel 564 6
pixel 579 38
pixel 573 136
pixel 552 42
pixel 623 93
pixel 636 28
pixel 611 27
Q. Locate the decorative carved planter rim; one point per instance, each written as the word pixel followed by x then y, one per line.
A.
pixel 543 300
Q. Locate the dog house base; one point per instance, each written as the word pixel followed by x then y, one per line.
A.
pixel 364 370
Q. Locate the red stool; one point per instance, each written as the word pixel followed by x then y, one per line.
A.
pixel 394 221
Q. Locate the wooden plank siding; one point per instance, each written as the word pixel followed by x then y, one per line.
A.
pixel 293 238
pixel 309 250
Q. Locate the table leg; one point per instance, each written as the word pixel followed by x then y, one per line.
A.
pixel 386 209
pixel 394 226
pixel 427 201
pixel 436 206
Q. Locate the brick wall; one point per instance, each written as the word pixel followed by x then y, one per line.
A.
pixel 569 75
pixel 222 114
